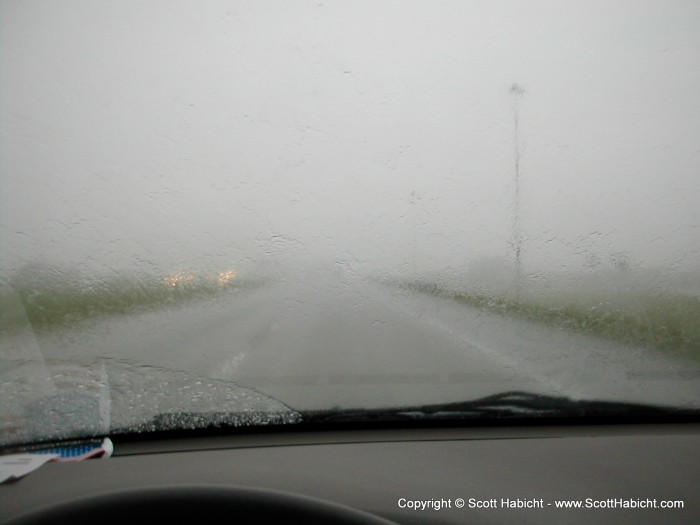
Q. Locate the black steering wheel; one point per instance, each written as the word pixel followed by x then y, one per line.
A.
pixel 198 504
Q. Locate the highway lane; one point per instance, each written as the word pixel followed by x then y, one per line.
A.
pixel 321 342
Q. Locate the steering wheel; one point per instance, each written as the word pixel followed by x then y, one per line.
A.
pixel 216 504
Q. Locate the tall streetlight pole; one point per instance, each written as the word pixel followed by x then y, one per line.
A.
pixel 415 201
pixel 517 235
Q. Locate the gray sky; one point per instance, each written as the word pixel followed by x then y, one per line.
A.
pixel 168 134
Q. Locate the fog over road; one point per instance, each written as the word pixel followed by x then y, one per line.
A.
pixel 166 151
pixel 343 342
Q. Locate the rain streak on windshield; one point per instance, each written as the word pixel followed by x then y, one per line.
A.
pixel 233 212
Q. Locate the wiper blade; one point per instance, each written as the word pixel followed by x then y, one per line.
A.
pixel 511 405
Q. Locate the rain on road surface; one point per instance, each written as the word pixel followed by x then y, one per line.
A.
pixel 357 343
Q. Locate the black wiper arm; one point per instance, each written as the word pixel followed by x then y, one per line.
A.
pixel 512 404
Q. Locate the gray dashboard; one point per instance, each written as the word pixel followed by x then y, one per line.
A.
pixel 389 472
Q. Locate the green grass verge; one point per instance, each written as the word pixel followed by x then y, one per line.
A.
pixel 653 319
pixel 46 303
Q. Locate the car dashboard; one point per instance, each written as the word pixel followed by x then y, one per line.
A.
pixel 500 474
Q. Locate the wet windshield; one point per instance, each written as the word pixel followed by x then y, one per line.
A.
pixel 241 213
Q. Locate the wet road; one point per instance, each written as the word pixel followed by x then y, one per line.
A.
pixel 359 343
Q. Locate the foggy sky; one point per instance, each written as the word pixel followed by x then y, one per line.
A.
pixel 376 134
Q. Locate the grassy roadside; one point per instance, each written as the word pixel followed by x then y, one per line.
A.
pixel 47 303
pixel 662 321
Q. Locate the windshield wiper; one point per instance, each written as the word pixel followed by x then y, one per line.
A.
pixel 506 405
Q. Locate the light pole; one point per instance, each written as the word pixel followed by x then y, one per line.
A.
pixel 517 236
pixel 415 201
